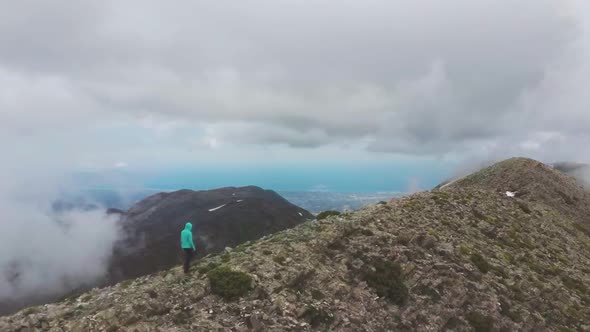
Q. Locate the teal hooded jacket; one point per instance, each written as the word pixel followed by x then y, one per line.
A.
pixel 186 237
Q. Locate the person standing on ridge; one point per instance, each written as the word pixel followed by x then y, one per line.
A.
pixel 187 244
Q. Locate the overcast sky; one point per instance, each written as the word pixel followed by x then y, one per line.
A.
pixel 140 84
pixel 330 94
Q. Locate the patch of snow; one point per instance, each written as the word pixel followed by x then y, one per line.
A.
pixel 301 214
pixel 510 194
pixel 217 208
pixel 240 200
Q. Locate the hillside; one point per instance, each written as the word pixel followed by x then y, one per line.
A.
pixel 464 258
pixel 533 181
pixel 221 218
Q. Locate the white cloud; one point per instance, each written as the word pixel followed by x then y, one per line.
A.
pixel 45 253
pixel 121 164
pixel 418 78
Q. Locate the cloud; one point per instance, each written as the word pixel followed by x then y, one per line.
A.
pixel 121 164
pixel 44 253
pixel 456 79
pixel 413 78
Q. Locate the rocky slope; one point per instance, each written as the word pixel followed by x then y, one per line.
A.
pixel 464 258
pixel 221 218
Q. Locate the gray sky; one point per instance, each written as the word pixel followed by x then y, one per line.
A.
pixel 135 82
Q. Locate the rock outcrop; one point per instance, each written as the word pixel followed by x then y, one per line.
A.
pixel 466 257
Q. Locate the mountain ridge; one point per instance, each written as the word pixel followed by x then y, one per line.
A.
pixel 464 258
pixel 221 217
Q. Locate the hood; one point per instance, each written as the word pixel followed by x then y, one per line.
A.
pixel 188 226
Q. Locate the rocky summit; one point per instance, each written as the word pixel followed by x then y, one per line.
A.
pixel 504 249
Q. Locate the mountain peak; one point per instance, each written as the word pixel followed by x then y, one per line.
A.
pixel 530 179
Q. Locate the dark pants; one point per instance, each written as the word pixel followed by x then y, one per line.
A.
pixel 188 255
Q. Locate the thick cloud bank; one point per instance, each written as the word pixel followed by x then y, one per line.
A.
pixel 480 78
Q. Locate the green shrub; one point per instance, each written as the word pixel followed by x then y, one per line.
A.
pixel 480 263
pixel 477 213
pixel 464 249
pixel 243 246
pixel 317 295
pixel 298 283
pixel 86 298
pixel 181 318
pixel 317 316
pixel 508 258
pixel 326 214
pixel 206 268
pixel 126 283
pixel 480 322
pixel 279 259
pixel 229 284
pixel 582 228
pixel 388 281
pixel 574 284
pixel 31 311
pixel 524 207
pixel 367 232
pixel 337 245
pixel 403 239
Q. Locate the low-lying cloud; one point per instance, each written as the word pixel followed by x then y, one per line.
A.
pixel 46 253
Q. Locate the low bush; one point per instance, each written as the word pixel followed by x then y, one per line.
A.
pixel 228 283
pixel 326 214
pixel 317 295
pixel 480 322
pixel 480 263
pixel 225 257
pixel 280 259
pixel 388 281
pixel 318 317
pixel 574 284
pixel 206 268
